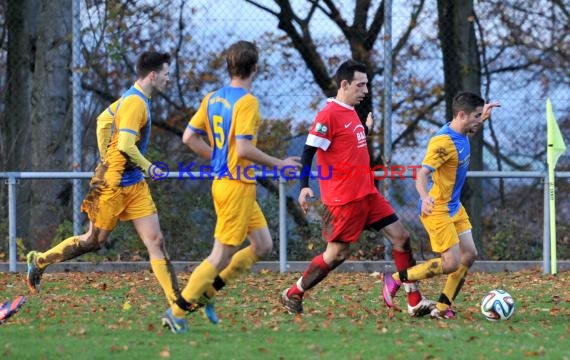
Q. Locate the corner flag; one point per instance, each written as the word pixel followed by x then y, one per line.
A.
pixel 555 141
pixel 555 147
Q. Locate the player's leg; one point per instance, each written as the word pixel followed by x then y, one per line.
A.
pixel 456 279
pixel 234 203
pixel 443 239
pixel 11 307
pixel 317 270
pixel 201 279
pixel 261 245
pixel 341 225
pixel 141 210
pixel 69 248
pixel 404 259
pixel 383 218
pixel 446 264
pixel 203 276
pixel 461 262
pixel 148 228
pixel 102 204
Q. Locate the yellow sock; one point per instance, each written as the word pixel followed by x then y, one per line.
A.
pixel 65 250
pixel 201 279
pixel 452 286
pixel 241 262
pixel 422 271
pixel 166 277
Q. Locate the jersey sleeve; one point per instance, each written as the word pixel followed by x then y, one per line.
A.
pixel 248 117
pixel 105 127
pixel 198 122
pixel 439 150
pixel 127 145
pixel 321 133
pixel 132 115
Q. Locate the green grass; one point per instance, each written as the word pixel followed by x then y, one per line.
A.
pixel 102 316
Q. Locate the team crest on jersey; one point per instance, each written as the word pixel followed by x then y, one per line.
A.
pixel 321 129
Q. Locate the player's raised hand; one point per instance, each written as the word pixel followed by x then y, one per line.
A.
pixel 487 109
pixel 370 121
pixel 427 205
pixel 304 195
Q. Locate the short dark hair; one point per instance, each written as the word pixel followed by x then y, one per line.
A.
pixel 150 61
pixel 346 71
pixel 241 59
pixel 467 102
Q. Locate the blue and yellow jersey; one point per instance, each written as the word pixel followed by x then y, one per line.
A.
pixel 130 114
pixel 226 115
pixel 447 156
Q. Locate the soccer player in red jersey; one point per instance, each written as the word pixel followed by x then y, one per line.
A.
pixel 351 200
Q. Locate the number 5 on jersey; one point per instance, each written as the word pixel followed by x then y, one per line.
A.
pixel 219 136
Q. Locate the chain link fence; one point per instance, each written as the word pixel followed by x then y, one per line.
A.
pixel 301 44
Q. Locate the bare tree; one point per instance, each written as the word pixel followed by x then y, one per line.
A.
pixel 16 127
pixel 462 72
pixel 361 33
pixel 50 118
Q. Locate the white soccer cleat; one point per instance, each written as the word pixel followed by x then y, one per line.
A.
pixel 423 308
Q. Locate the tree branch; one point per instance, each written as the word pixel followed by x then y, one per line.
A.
pixel 404 39
pixel 335 16
pixel 103 94
pixel 360 18
pixel 181 27
pixel 306 48
pixel 264 8
pixel 375 27
pixel 411 128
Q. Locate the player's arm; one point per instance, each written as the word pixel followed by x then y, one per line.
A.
pixel 195 129
pixel 127 145
pixel 306 162
pixel 440 149
pixel 132 115
pixel 486 113
pixel 369 124
pixel 104 128
pixel 422 180
pixel 247 113
pixel 192 138
pixel 246 150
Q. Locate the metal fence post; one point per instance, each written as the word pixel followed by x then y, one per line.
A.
pixel 282 226
pixel 546 229
pixel 387 77
pixel 12 223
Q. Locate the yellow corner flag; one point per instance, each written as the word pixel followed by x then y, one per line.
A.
pixel 555 141
pixel 555 147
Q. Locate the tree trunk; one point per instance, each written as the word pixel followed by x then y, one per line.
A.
pixel 462 72
pixel 15 128
pixel 50 116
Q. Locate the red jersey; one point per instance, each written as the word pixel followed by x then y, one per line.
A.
pixel 342 155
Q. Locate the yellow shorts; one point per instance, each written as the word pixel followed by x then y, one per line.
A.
pixel 105 205
pixel 444 230
pixel 237 210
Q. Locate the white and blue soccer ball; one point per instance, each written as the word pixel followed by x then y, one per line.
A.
pixel 497 305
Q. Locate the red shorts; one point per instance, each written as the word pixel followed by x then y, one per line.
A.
pixel 345 223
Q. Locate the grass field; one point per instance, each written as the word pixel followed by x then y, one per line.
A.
pixel 112 315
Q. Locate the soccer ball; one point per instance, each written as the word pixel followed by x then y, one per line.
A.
pixel 497 305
